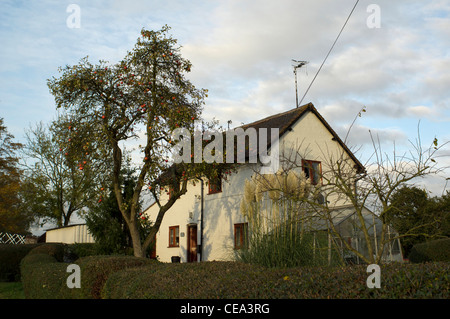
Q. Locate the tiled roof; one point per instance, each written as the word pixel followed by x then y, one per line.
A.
pixel 284 121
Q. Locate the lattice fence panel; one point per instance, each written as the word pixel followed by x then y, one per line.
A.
pixel 7 238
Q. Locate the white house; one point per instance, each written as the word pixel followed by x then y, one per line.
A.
pixel 205 224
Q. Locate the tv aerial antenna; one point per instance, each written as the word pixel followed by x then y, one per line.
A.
pixel 297 65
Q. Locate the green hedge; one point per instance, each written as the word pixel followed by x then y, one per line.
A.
pixel 236 280
pixel 55 250
pixel 96 269
pixel 435 250
pixel 10 257
pixel 119 277
pixel 44 276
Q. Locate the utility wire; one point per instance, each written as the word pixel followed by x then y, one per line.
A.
pixel 320 68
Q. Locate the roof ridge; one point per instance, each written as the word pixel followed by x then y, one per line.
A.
pixel 297 109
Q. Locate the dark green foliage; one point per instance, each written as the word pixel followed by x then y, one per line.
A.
pixel 10 258
pixel 96 269
pixel 435 250
pixel 229 280
pixel 78 250
pixel 418 217
pixel 43 277
pixel 287 249
pixel 106 223
pixel 119 277
pixel 55 250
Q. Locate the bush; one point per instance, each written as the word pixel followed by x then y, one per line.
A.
pixel 79 250
pixel 118 277
pixel 43 277
pixel 55 250
pixel 96 269
pixel 435 250
pixel 212 280
pixel 10 258
pixel 287 249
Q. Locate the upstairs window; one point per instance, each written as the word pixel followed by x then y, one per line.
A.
pixel 313 171
pixel 215 185
pixel 170 189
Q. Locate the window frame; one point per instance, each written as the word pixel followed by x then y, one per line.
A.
pixel 175 240
pixel 307 164
pixel 217 182
pixel 242 230
pixel 173 189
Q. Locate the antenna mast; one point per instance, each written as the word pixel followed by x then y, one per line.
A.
pixel 297 65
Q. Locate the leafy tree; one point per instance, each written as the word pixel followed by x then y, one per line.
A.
pixel 105 221
pixel 12 217
pixel 443 204
pixel 417 217
pixel 57 183
pixel 409 211
pixel 143 97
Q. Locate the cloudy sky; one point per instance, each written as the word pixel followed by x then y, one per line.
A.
pixel 241 51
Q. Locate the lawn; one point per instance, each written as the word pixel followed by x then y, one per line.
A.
pixel 11 290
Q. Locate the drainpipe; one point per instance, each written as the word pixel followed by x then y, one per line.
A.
pixel 201 219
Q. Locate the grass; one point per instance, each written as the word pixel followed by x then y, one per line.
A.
pixel 11 290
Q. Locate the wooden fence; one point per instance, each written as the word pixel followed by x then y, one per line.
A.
pixel 8 238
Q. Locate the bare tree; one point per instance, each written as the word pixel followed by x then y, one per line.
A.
pixel 343 189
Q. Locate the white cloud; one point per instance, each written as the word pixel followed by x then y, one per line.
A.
pixel 241 51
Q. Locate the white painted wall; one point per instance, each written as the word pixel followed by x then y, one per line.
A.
pixel 221 210
pixel 317 144
pixel 69 235
pixel 220 213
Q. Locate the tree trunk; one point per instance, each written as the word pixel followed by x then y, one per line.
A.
pixel 138 250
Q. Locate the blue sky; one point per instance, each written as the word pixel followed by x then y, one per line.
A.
pixel 241 51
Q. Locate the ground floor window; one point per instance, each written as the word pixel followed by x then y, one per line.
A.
pixel 240 235
pixel 174 236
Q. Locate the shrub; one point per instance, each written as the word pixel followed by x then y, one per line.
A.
pixel 118 277
pixel 55 250
pixel 79 250
pixel 287 249
pixel 212 280
pixel 96 269
pixel 10 257
pixel 435 250
pixel 191 280
pixel 43 277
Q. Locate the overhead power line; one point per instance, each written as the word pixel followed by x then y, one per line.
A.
pixel 337 38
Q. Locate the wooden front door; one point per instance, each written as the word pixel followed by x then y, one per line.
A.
pixel 192 243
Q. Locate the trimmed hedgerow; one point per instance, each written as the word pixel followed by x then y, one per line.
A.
pixel 118 277
pixel 238 280
pixel 10 258
pixel 96 269
pixel 43 277
pixel 435 250
pixel 55 250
